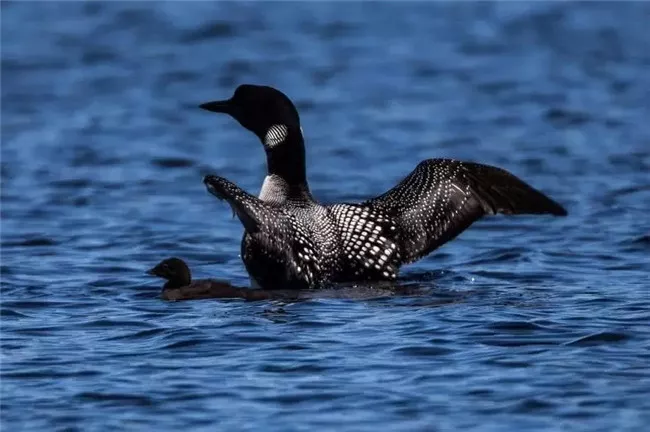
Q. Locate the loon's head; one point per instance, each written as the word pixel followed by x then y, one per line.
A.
pixel 265 111
pixel 174 270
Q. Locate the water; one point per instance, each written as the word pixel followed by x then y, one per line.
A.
pixel 527 323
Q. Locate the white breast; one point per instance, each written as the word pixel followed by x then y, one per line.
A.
pixel 274 189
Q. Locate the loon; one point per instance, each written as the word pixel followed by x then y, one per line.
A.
pixel 292 241
pixel 179 285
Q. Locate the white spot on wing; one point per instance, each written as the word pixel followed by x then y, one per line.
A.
pixel 455 186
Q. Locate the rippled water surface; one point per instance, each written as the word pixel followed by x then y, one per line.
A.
pixel 523 323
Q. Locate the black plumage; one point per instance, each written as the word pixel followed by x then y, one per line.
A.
pixel 179 285
pixel 292 241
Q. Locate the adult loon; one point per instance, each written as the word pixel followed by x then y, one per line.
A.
pixel 291 241
pixel 179 285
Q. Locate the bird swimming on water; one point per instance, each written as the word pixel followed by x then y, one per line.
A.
pixel 292 241
pixel 179 285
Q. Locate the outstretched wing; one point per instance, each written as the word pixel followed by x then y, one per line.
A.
pixel 252 211
pixel 442 197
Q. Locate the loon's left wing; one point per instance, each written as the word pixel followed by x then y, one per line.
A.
pixel 442 197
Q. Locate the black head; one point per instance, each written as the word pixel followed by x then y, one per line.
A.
pixel 174 270
pixel 265 111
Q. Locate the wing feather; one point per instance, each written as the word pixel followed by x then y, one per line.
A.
pixel 442 197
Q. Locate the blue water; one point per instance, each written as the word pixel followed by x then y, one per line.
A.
pixel 527 323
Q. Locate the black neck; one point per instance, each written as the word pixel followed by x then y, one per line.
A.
pixel 175 283
pixel 287 160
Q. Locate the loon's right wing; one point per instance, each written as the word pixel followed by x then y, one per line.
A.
pixel 250 209
pixel 442 197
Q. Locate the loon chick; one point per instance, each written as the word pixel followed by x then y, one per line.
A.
pixel 179 285
pixel 292 241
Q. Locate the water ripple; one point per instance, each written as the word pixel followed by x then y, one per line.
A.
pixel 520 323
